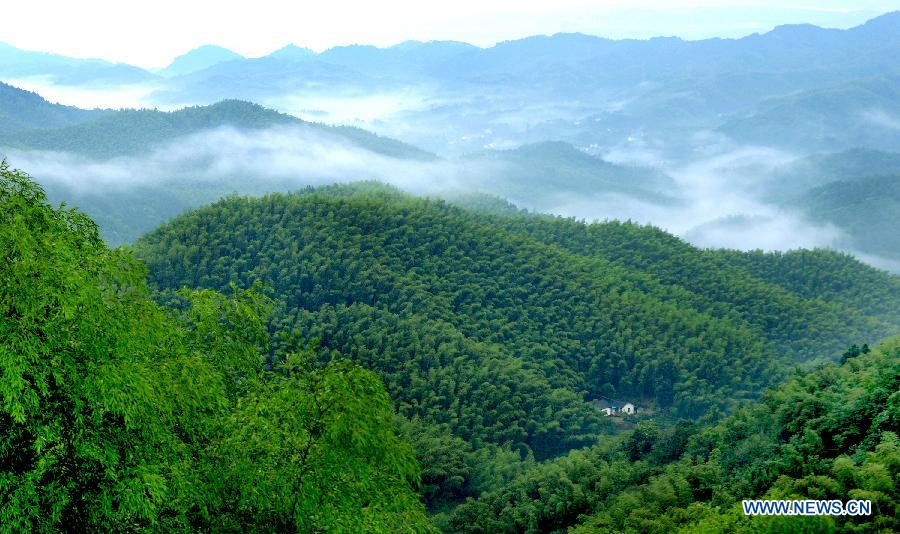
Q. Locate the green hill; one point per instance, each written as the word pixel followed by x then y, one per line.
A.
pixel 775 299
pixel 481 339
pixel 826 434
pixel 831 276
pixel 496 331
pixel 167 176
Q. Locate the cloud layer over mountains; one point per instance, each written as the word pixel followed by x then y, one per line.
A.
pixel 717 140
pixel 714 203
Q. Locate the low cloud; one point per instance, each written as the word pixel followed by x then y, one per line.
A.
pixel 718 203
pixel 773 231
pixel 282 156
pixel 717 199
pixel 353 107
pixel 89 97
pixel 879 117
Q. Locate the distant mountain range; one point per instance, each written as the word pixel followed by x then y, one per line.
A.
pixel 184 152
pixel 794 47
pixel 16 63
pixel 106 134
pixel 522 121
pixel 805 87
pixel 199 59
pixel 21 110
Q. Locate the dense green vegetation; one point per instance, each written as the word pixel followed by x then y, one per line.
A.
pixel 117 414
pixel 827 275
pixel 824 434
pixel 489 334
pixel 493 332
pixel 812 289
pixel 354 359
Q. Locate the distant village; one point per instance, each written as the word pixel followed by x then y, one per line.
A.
pixel 612 407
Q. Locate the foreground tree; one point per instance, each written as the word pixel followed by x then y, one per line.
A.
pixel 118 414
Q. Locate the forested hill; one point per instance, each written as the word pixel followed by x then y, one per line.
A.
pixel 489 334
pixel 497 328
pixel 827 434
pixel 779 293
pixel 132 132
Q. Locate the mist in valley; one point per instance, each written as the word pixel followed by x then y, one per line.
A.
pixel 469 267
pixel 715 200
pixel 672 144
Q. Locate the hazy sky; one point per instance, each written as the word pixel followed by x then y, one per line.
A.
pixel 150 34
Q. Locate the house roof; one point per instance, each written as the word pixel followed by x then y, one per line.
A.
pixel 616 405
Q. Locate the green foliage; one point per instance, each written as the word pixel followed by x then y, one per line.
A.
pixel 309 449
pixel 91 395
pixel 602 304
pixel 824 434
pixel 830 276
pixel 445 459
pixel 117 414
pixel 491 333
pixel 482 202
pixel 808 304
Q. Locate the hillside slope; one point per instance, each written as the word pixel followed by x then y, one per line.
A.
pixel 827 434
pixel 20 110
pixel 132 170
pixel 850 205
pixel 502 327
pixel 544 175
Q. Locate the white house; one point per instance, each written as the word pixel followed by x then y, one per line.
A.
pixel 605 407
pixel 612 409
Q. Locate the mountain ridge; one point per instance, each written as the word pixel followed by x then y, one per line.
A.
pixel 887 24
pixel 198 59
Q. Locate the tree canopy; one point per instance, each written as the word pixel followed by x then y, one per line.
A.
pixel 119 414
